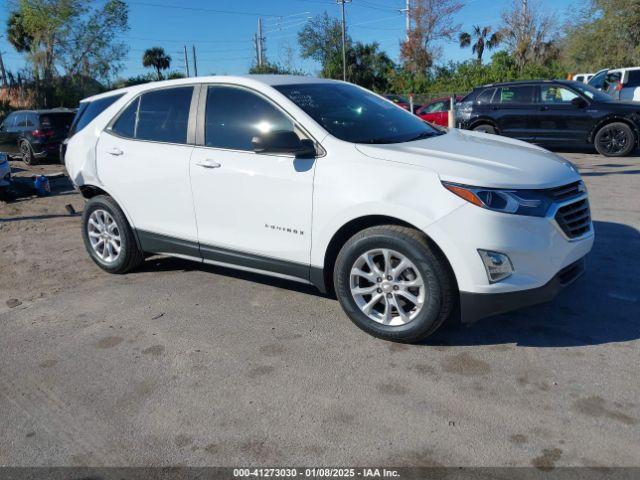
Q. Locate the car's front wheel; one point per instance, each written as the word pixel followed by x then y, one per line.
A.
pixel 485 128
pixel 107 236
pixel 393 284
pixel 615 140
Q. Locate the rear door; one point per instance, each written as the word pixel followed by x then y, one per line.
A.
pixel 511 109
pixel 557 119
pixel 143 161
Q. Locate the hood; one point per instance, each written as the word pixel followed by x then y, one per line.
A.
pixel 480 159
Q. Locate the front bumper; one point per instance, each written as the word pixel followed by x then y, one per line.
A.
pixel 474 306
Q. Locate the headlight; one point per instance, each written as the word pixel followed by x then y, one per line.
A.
pixel 520 202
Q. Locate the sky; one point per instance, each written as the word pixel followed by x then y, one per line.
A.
pixel 222 30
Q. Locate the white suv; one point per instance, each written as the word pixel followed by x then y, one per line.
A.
pixel 326 183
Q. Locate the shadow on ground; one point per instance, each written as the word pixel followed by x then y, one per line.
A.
pixel 22 188
pixel 603 306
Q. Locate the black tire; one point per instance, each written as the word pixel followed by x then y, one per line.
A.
pixel 615 139
pixel 26 153
pixel 439 292
pixel 130 255
pixel 485 128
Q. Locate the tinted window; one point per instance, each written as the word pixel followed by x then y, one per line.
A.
pixel 356 115
pixel 32 120
pixel 90 110
pixel 57 121
pixel 485 96
pixel 125 125
pixel 235 115
pixel 634 78
pixel 9 121
pixel 508 95
pixel 163 115
pixel 556 95
pixel 21 120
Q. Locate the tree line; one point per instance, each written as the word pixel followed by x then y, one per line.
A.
pixel 72 49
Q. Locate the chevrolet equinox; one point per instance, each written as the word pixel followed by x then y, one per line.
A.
pixel 327 183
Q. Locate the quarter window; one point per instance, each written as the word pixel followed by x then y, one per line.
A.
pixel 90 110
pixel 235 115
pixel 160 116
pixel 511 95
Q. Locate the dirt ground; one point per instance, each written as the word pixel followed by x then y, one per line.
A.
pixel 183 364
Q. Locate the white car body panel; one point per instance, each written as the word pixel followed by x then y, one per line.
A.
pixel 162 189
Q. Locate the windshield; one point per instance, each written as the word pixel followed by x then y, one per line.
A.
pixel 591 92
pixel 356 115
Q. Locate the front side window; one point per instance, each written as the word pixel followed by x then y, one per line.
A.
pixel 514 95
pixel 9 121
pixel 554 94
pixel 436 107
pixel 356 115
pixel 597 81
pixel 486 96
pixel 235 115
pixel 159 116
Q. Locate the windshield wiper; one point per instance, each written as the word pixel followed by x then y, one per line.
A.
pixel 422 136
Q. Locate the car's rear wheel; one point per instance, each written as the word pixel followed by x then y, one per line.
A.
pixel 615 140
pixel 485 128
pixel 393 284
pixel 26 153
pixel 107 236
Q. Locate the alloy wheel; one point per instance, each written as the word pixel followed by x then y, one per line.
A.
pixel 613 140
pixel 387 287
pixel 104 236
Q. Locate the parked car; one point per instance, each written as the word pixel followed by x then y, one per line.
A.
pixel 34 134
pixel 620 83
pixel 329 184
pixel 582 77
pixel 436 111
pixel 5 172
pixel 553 113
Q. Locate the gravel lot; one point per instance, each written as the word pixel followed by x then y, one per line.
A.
pixel 184 364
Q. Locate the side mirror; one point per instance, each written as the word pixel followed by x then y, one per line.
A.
pixel 578 102
pixel 283 141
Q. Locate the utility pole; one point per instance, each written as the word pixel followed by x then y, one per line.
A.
pixel 195 62
pixel 260 44
pixel 407 16
pixel 344 40
pixel 186 60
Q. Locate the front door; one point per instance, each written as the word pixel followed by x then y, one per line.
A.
pixel 251 209
pixel 511 108
pixel 558 120
pixel 143 161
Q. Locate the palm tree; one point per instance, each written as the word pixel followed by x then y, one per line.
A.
pixel 156 57
pixel 482 40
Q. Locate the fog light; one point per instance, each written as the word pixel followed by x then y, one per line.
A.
pixel 498 265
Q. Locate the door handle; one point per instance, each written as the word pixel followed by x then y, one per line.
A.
pixel 208 163
pixel 115 151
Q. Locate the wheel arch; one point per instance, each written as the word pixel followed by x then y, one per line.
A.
pixel 323 277
pixel 611 119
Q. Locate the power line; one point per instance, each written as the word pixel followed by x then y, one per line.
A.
pixel 200 9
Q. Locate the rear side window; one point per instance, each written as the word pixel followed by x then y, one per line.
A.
pixel 160 116
pixel 235 115
pixel 514 95
pixel 21 120
pixel 486 96
pixel 90 110
pixel 634 79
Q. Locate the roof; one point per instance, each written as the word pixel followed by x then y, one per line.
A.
pixel 47 111
pixel 525 82
pixel 271 80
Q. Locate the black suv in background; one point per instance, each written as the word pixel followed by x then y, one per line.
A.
pixel 553 113
pixel 35 134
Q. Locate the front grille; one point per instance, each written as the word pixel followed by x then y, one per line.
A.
pixel 566 192
pixel 575 218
